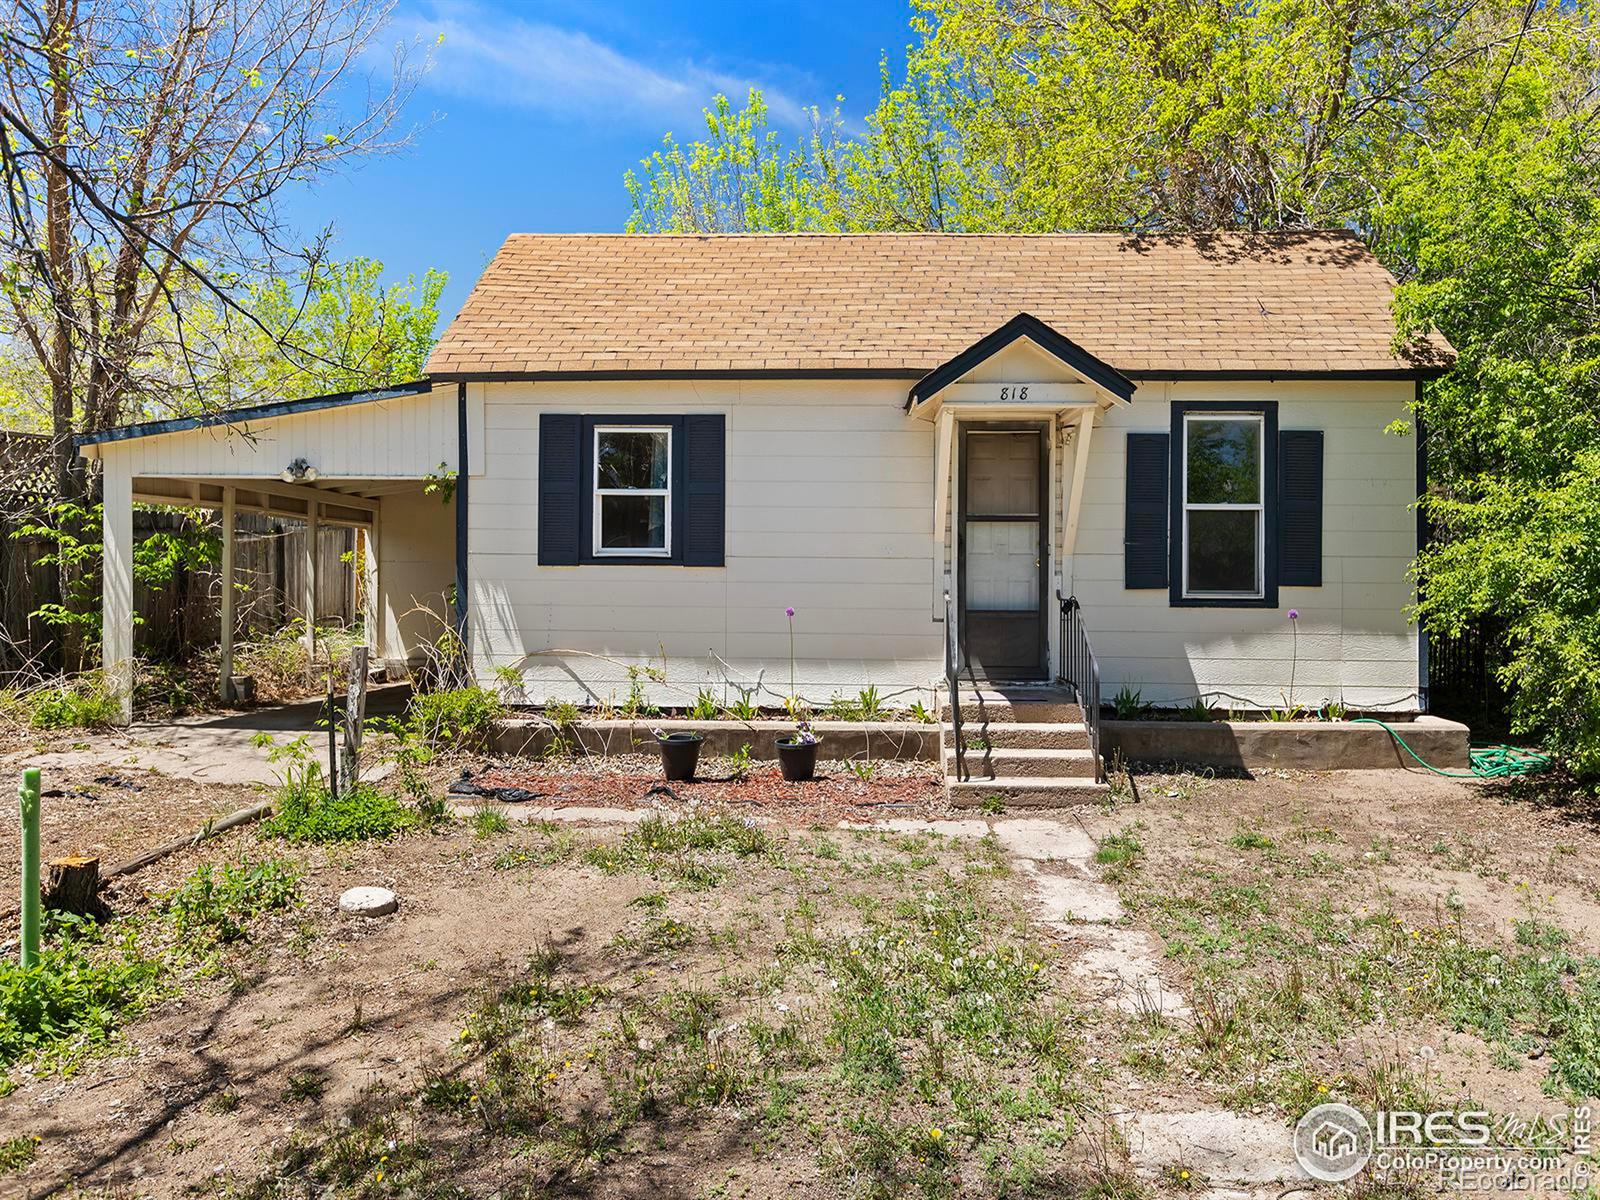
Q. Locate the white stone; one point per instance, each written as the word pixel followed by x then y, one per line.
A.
pixel 908 825
pixel 1128 962
pixel 1066 900
pixel 1216 1146
pixel 368 902
pixel 1045 841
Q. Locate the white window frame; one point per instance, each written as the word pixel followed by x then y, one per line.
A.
pixel 1259 507
pixel 665 551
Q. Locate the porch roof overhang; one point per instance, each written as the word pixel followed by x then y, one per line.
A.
pixel 1102 383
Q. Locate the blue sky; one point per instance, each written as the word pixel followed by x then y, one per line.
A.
pixel 532 111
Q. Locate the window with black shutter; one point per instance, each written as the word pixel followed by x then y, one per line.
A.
pixel 1223 505
pixel 632 489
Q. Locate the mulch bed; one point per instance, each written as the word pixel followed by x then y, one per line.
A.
pixel 834 795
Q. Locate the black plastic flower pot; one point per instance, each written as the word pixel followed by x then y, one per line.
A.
pixel 797 760
pixel 680 754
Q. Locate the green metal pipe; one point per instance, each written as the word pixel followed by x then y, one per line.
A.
pixel 29 793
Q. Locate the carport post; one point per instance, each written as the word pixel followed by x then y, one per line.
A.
pixel 309 581
pixel 225 683
pixel 116 581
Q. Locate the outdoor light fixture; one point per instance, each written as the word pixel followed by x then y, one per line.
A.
pixel 299 471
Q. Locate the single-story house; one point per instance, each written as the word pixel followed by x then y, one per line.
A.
pixel 653 447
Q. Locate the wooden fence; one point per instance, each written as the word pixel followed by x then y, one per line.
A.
pixel 268 565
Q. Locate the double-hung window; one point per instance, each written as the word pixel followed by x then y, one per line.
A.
pixel 632 491
pixel 1223 479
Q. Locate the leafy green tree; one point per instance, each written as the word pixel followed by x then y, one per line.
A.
pixel 340 329
pixel 1505 235
pixel 1460 137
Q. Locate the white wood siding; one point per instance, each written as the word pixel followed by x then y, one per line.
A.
pixel 829 503
pixel 829 495
pixel 1354 642
pixel 403 438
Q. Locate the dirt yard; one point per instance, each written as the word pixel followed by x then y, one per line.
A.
pixel 749 1000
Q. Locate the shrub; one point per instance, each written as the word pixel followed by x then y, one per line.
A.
pixel 82 703
pixel 305 812
pixel 70 999
pixel 456 718
pixel 217 904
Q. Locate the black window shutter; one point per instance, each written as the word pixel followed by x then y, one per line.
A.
pixel 1300 508
pixel 1144 543
pixel 704 489
pixel 560 488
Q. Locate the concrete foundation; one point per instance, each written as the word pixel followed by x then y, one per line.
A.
pixel 840 739
pixel 1305 745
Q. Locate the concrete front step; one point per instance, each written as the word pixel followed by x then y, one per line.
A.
pixel 1047 706
pixel 1041 735
pixel 1030 762
pixel 1018 792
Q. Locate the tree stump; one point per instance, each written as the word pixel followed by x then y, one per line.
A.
pixel 74 887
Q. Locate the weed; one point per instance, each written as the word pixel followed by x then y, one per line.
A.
pixel 306 1085
pixel 1196 710
pixel 705 706
pixel 683 849
pixel 739 763
pixel 1250 839
pixel 562 714
pixel 862 769
pixel 1128 704
pixel 870 704
pixel 77 995
pixel 1119 854
pixel 307 812
pixel 218 904
pixel 81 703
pixel 488 822
pixel 457 719
pixel 921 714
pixel 17 1152
pixel 993 805
pixel 744 709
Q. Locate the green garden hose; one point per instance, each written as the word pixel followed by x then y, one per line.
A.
pixel 1496 761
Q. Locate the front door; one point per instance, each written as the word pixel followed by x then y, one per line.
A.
pixel 1002 551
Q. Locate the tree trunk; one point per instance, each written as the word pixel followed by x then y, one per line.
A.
pixel 74 887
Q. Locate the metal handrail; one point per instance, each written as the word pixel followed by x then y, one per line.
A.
pixel 952 673
pixel 1080 670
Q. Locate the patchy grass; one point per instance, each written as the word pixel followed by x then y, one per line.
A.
pixel 871 1009
pixel 92 978
pixel 1301 961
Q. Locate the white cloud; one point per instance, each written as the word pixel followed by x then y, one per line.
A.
pixel 528 64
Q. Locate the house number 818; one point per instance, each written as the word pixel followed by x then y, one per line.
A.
pixel 1019 392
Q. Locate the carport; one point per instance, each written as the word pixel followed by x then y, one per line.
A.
pixel 388 463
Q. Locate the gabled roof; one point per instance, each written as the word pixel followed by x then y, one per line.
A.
pixel 1024 325
pixel 897 305
pixel 256 412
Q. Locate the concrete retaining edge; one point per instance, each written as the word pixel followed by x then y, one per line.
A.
pixel 1301 745
pixel 840 739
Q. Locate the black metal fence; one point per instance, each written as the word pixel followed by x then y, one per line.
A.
pixel 1464 676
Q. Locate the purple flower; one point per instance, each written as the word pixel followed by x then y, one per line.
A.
pixel 1294 614
pixel 788 612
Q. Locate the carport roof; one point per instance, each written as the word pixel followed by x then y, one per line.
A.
pixel 257 412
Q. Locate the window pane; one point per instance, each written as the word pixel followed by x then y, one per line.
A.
pixel 1222 550
pixel 1224 461
pixel 633 522
pixel 632 459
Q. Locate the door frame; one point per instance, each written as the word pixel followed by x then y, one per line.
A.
pixel 1046 502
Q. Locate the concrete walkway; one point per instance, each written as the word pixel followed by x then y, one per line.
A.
pixel 208 749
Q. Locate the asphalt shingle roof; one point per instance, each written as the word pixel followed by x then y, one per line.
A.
pixel 905 303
